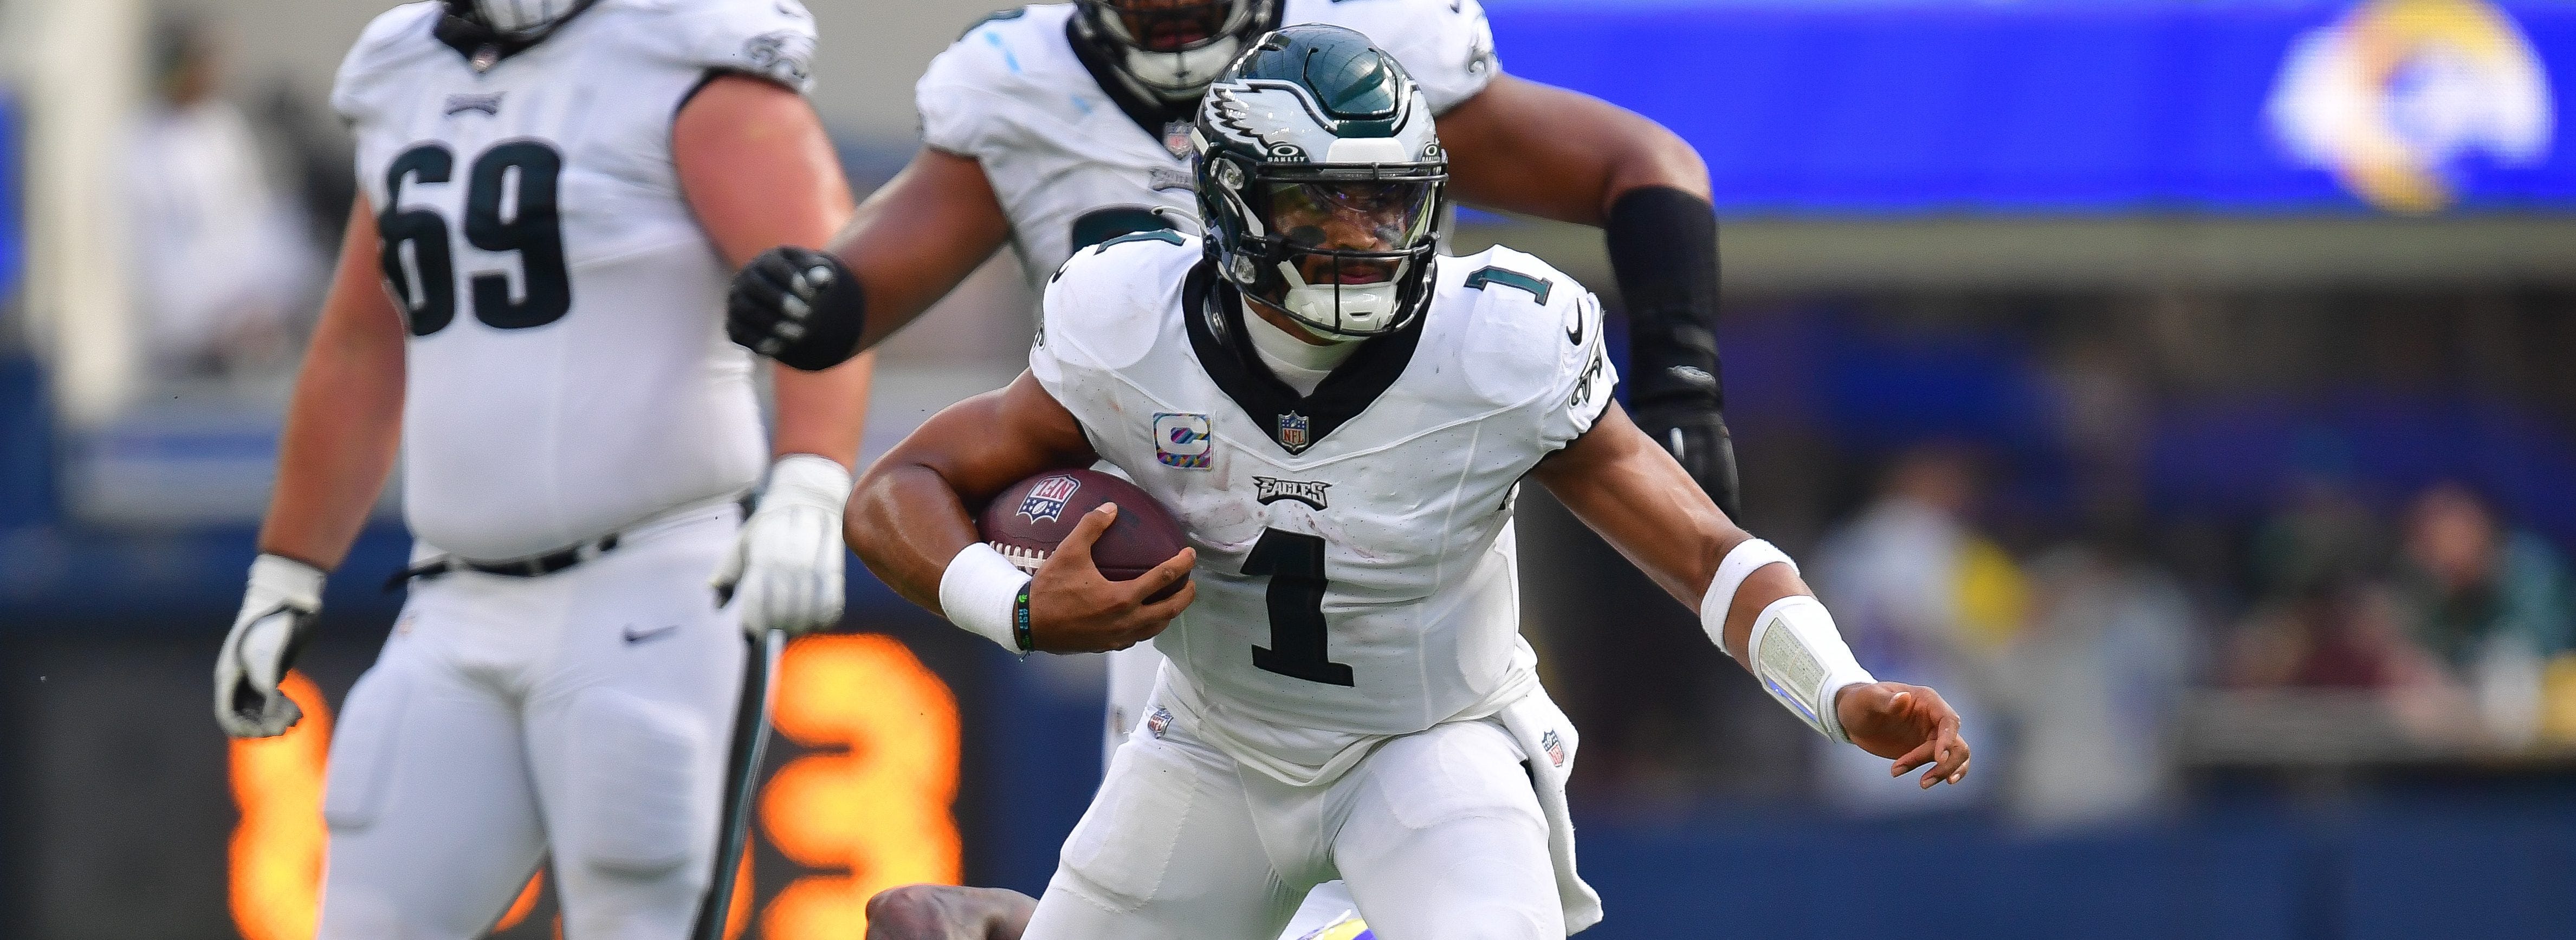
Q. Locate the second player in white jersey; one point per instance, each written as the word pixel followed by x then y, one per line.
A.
pixel 1076 157
pixel 1314 510
pixel 553 279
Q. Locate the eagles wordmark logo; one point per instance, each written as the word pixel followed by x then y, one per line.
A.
pixel 1271 490
pixel 785 55
pixel 1046 500
pixel 489 105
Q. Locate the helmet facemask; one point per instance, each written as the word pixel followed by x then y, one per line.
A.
pixel 523 19
pixel 1341 251
pixel 1172 48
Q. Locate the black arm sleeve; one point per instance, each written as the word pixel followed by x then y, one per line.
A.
pixel 1663 249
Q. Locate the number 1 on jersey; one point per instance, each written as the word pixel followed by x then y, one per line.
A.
pixel 1295 564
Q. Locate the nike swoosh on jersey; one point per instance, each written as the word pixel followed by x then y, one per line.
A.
pixel 633 637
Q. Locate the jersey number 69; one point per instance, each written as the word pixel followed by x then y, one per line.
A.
pixel 418 262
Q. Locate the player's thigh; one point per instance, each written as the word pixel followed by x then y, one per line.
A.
pixel 1166 852
pixel 1444 840
pixel 627 736
pixel 433 821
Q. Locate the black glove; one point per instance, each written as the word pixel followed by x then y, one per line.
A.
pixel 798 306
pixel 1696 435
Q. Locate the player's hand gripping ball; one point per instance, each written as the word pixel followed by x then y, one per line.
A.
pixel 1104 578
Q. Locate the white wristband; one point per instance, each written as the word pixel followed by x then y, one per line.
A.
pixel 281 580
pixel 1747 557
pixel 979 592
pixel 1802 661
pixel 808 479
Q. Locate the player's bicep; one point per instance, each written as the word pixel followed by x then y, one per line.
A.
pixel 358 315
pixel 1521 146
pixel 1638 499
pixel 757 167
pixel 919 235
pixel 988 442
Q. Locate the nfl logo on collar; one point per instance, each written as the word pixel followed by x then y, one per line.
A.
pixel 1292 431
pixel 1046 500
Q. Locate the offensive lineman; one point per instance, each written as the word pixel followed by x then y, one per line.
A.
pixel 527 305
pixel 1056 127
pixel 1347 694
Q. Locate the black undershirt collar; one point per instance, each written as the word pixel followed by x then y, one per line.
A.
pixel 471 39
pixel 1209 304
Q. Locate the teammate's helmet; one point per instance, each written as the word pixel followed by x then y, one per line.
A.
pixel 1173 47
pixel 1321 181
pixel 517 18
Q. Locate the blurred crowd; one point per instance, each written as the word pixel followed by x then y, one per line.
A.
pixel 228 209
pixel 2442 632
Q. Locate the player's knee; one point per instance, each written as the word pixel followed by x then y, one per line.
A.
pixel 644 787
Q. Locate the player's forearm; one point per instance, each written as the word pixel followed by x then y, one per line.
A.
pixel 342 434
pixel 823 413
pixel 919 236
pixel 907 523
pixel 344 425
pixel 1663 250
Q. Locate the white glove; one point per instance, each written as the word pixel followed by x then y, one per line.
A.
pixel 785 570
pixel 277 614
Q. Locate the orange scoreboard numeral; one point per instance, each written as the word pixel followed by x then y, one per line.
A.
pixel 873 803
pixel 277 847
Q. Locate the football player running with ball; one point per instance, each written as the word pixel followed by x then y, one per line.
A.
pixel 1347 694
pixel 1053 128
pixel 527 309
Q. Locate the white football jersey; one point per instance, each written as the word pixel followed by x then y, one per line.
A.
pixel 1350 580
pixel 1074 164
pixel 567 371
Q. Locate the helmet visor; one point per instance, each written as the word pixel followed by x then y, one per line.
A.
pixel 1170 25
pixel 1351 231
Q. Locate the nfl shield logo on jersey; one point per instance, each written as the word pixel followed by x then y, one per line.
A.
pixel 1292 431
pixel 1181 440
pixel 1555 748
pixel 1046 500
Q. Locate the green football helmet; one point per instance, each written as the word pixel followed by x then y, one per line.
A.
pixel 1321 182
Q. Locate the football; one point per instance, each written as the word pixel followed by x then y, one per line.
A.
pixel 1030 518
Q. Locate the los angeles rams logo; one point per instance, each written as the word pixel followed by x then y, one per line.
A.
pixel 2393 95
pixel 1046 500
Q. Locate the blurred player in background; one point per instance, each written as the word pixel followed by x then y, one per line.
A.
pixel 1347 693
pixel 526 308
pixel 1055 127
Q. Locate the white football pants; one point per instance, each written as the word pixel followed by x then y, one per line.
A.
pixel 586 709
pixel 1132 672
pixel 1439 835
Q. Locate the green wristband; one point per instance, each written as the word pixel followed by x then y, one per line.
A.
pixel 1020 621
